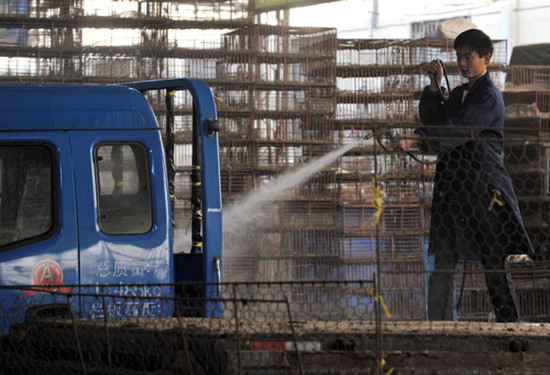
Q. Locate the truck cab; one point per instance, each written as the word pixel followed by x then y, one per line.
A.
pixel 85 200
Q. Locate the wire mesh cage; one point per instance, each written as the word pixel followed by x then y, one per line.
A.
pixel 283 328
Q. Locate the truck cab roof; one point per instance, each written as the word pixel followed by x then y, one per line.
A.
pixel 73 107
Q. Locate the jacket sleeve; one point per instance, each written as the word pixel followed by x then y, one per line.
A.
pixel 469 121
pixel 431 109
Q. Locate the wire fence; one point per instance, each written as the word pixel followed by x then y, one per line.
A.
pixel 250 328
pixel 141 328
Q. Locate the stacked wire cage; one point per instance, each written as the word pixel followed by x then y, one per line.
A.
pixel 277 99
pixel 383 200
pixel 111 41
pixel 527 159
pixel 527 155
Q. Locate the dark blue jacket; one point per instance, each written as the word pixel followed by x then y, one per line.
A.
pixel 474 206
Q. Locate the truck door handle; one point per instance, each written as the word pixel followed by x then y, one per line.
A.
pixel 218 275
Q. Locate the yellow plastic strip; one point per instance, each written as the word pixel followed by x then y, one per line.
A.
pixel 382 364
pixel 379 299
pixel 378 203
pixel 496 193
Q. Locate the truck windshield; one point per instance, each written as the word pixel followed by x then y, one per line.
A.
pixel 122 172
pixel 26 201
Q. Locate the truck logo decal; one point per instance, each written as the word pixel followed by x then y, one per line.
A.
pixel 50 274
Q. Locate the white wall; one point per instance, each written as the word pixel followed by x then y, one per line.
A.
pixel 518 21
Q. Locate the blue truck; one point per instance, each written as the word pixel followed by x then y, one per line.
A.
pixel 86 200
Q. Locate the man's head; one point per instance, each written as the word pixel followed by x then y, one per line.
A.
pixel 473 52
pixel 476 40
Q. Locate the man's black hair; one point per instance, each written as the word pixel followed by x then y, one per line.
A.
pixel 475 39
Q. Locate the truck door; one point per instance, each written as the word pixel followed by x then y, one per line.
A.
pixel 38 241
pixel 123 222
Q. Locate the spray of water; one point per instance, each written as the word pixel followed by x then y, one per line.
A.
pixel 251 209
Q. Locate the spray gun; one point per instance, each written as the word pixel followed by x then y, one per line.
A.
pixel 380 133
pixel 388 134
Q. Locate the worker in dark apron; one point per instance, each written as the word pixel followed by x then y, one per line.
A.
pixel 475 213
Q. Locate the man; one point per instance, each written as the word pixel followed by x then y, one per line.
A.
pixel 475 214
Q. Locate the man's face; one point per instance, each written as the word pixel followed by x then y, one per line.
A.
pixel 470 64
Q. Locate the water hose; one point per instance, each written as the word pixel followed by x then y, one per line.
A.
pixel 446 80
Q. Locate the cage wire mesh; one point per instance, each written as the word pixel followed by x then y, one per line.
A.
pixel 253 328
pixel 338 327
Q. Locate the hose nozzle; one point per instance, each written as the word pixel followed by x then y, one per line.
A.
pixel 381 132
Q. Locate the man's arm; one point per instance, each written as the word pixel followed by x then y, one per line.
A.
pixel 408 141
pixel 431 109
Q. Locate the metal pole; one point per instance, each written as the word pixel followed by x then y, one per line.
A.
pixel 78 347
pixel 239 364
pixel 105 321
pixel 185 341
pixel 377 291
pixel 196 188
pixel 298 355
pixel 169 150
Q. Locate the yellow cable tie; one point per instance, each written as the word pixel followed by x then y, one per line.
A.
pixel 197 183
pixel 496 192
pixel 379 299
pixel 218 99
pixel 372 221
pixel 172 92
pixel 173 197
pixel 382 364
pixel 197 244
pixel 196 167
pixel 378 203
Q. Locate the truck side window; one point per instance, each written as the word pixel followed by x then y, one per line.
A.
pixel 26 186
pixel 122 172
